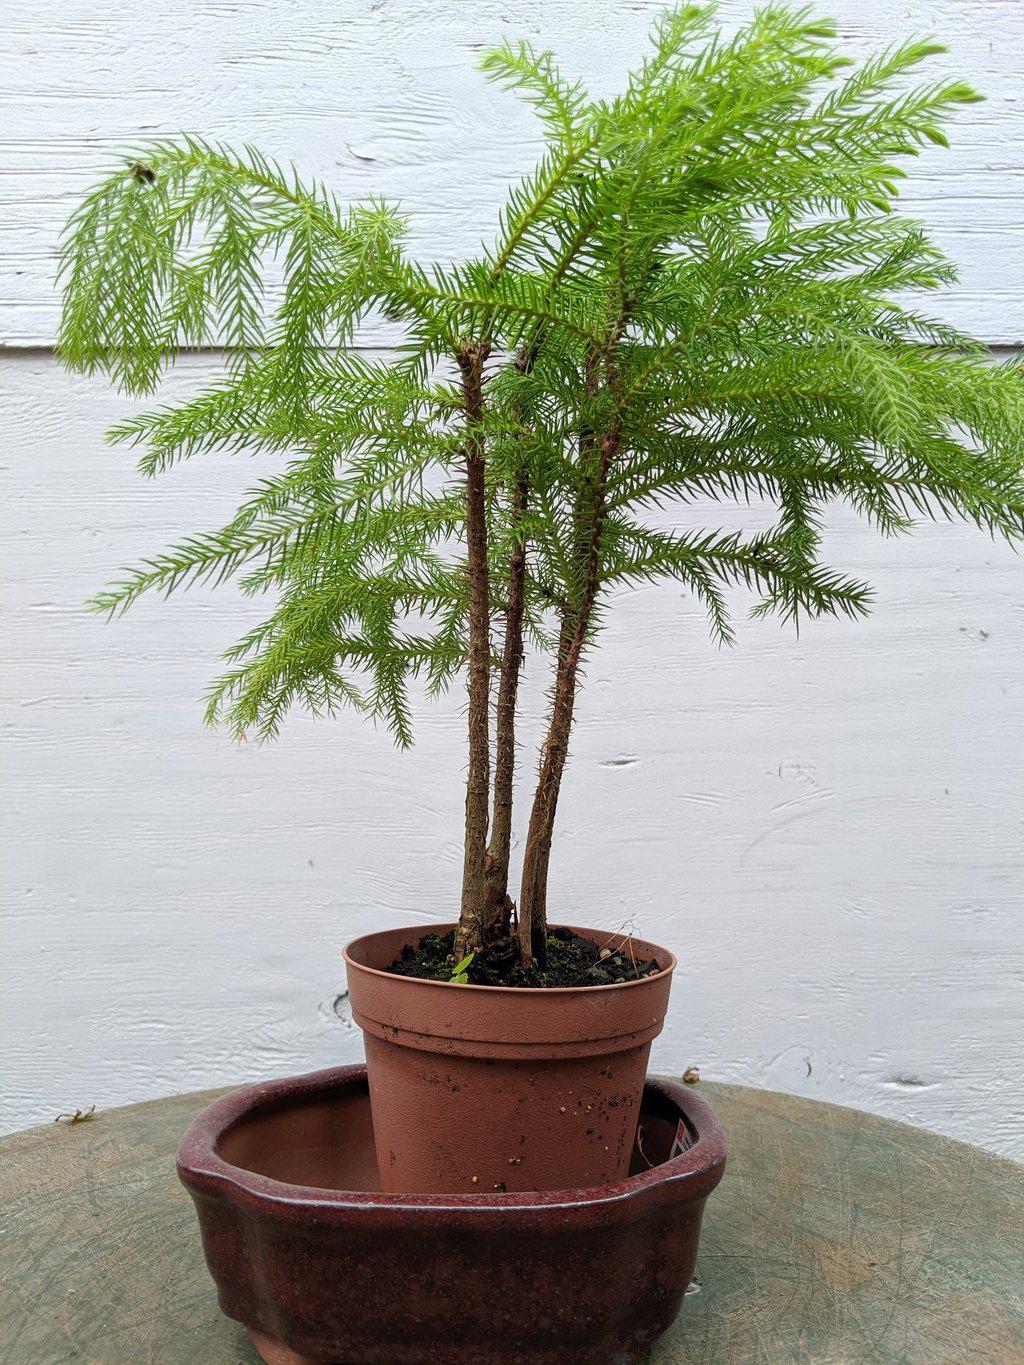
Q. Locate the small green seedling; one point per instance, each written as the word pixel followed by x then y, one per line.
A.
pixel 460 973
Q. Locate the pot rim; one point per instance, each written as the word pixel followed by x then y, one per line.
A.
pixel 511 991
pixel 200 1164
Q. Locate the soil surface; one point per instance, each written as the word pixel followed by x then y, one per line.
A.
pixel 572 961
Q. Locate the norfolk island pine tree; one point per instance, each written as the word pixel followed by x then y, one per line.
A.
pixel 700 293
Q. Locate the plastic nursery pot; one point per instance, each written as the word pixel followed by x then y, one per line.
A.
pixel 320 1266
pixel 484 1088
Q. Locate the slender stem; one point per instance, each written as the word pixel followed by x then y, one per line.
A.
pixel 589 516
pixel 469 938
pixel 505 720
pixel 572 639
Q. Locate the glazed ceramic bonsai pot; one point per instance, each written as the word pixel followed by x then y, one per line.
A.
pixel 321 1266
pixel 488 1087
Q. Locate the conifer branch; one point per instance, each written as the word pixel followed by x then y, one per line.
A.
pixel 704 292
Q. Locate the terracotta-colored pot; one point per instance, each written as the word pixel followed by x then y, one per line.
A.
pixel 479 1088
pixel 321 1267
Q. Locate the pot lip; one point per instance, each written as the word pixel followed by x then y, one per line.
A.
pixel 525 992
pixel 200 1165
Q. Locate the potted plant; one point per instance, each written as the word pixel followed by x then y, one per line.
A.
pixel 701 293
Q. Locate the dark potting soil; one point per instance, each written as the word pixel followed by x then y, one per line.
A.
pixel 571 961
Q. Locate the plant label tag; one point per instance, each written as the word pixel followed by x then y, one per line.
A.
pixel 683 1140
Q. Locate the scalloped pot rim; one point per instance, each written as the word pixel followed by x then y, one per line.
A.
pixel 199 1157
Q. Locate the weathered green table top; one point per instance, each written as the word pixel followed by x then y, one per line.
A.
pixel 835 1236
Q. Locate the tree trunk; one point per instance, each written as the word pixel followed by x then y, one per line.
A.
pixel 572 639
pixel 470 935
pixel 533 889
pixel 505 723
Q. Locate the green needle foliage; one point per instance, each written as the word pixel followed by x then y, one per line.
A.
pixel 702 292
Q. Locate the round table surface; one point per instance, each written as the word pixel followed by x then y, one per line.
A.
pixel 834 1236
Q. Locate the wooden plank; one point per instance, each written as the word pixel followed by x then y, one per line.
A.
pixel 383 98
pixel 825 828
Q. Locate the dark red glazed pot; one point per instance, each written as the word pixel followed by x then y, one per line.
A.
pixel 489 1087
pixel 319 1266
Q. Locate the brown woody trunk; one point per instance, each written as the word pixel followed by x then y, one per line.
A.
pixel 505 723
pixel 501 908
pixel 572 639
pixel 470 935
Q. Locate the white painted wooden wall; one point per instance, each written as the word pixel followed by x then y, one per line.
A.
pixel 827 831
